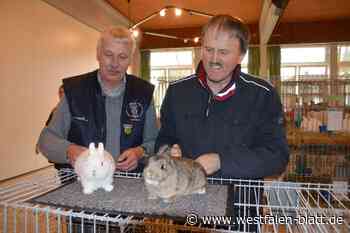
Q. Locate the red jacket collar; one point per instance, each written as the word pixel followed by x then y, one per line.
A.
pixel 227 91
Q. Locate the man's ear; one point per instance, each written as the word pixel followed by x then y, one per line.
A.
pixel 240 58
pixel 98 49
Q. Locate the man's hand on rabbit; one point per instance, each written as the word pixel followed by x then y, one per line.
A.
pixel 210 162
pixel 128 160
pixel 73 152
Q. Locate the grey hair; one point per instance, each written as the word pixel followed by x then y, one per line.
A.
pixel 118 32
pixel 229 24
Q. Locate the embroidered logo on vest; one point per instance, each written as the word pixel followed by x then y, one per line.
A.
pixel 134 110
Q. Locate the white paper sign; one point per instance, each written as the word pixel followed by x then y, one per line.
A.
pixel 335 120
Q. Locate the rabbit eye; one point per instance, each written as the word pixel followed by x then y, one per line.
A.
pixel 162 166
pixel 101 164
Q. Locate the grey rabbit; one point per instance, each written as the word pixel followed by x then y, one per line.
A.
pixel 168 177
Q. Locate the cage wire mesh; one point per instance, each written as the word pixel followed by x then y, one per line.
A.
pixel 307 90
pixel 318 153
pixel 257 206
pixel 319 163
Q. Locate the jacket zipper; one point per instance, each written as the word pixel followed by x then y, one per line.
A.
pixel 208 106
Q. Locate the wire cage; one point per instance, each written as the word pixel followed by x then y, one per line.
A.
pixel 318 152
pixel 257 206
pixel 323 163
pixel 310 90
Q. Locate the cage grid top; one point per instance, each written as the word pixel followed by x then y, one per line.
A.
pixel 270 205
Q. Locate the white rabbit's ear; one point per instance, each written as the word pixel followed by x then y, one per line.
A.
pixel 92 148
pixel 100 148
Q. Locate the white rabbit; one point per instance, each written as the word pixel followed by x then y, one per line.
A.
pixel 95 169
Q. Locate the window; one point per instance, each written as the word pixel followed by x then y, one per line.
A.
pixel 300 65
pixel 312 70
pixel 304 63
pixel 344 71
pixel 171 65
pixel 347 95
pixel 344 61
pixel 344 53
pixel 167 66
pixel 171 58
pixel 158 73
pixel 303 55
pixel 288 72
pixel 244 63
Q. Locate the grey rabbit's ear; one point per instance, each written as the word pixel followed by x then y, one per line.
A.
pixel 148 157
pixel 164 150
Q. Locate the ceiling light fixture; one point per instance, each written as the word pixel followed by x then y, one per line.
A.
pixel 178 12
pixel 163 12
pixel 135 32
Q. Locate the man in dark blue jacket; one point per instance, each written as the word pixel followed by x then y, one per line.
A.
pixel 107 105
pixel 230 122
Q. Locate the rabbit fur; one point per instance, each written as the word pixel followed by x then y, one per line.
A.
pixel 95 169
pixel 168 177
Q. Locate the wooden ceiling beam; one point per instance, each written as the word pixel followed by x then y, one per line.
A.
pixel 270 14
pixel 94 13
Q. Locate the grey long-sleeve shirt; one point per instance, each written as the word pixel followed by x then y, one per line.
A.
pixel 53 141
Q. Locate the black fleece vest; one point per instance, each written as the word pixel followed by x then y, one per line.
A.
pixel 88 113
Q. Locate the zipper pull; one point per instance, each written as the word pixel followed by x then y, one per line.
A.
pixel 208 106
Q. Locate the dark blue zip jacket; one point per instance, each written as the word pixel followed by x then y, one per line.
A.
pixel 246 129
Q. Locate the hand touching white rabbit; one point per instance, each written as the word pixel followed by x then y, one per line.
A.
pixel 95 169
pixel 73 152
